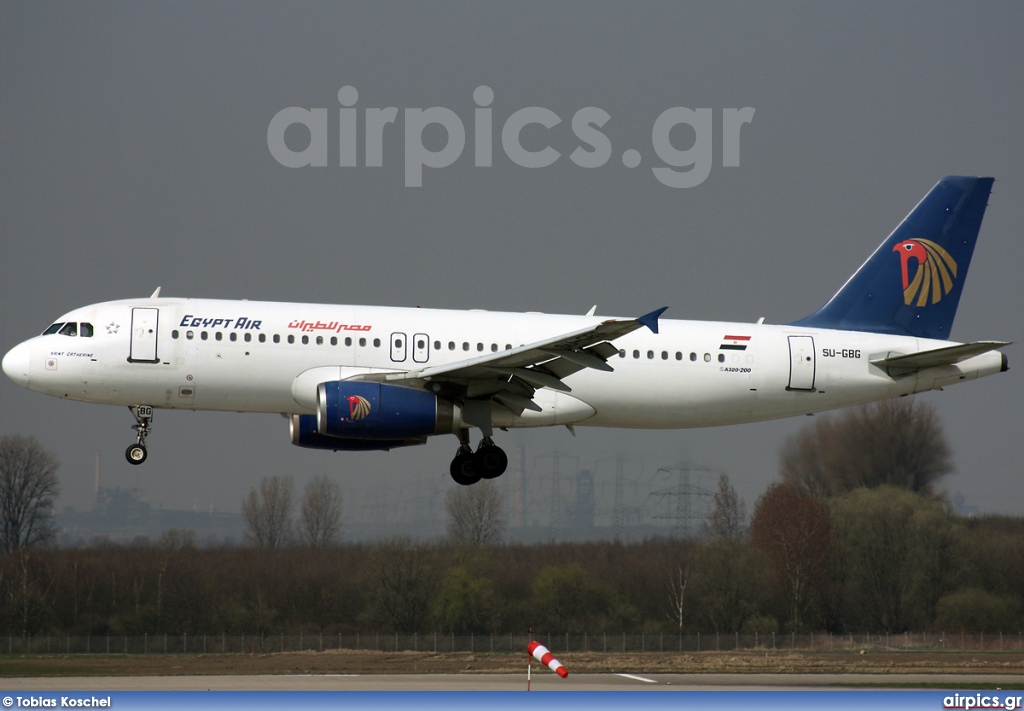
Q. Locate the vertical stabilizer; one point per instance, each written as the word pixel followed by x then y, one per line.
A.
pixel 912 283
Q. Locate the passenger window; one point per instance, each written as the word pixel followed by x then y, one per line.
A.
pixel 437 345
pixel 218 335
pixel 707 357
pixel 174 335
pixel 721 357
pixel 53 329
pixel 85 330
pixel 480 347
pixel 494 348
pixel 421 344
pixel 679 356
pixel 305 340
pixel 398 343
pixel 376 343
pixel 291 339
pixel 693 357
pixel 650 355
pixel 622 354
pixel 70 329
pixel 204 335
pixel 233 337
pixel 508 346
pixel 451 345
pixel 319 340
pixel 247 337
pixel 465 346
pixel 334 340
pixel 348 341
pixel 636 354
pixel 277 338
pixel 263 337
pixel 190 335
pixel 362 342
pixel 664 355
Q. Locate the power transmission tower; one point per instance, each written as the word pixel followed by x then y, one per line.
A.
pixel 686 503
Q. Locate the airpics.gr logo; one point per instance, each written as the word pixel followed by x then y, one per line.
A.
pixel 523 138
pixel 358 407
pixel 935 273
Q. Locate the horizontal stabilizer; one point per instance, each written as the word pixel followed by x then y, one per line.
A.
pixel 950 355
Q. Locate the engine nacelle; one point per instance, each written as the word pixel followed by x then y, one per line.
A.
pixel 305 434
pixel 353 409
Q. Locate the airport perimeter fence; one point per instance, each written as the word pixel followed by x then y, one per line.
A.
pixel 506 643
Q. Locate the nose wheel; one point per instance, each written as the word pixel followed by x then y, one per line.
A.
pixel 137 453
pixel 489 461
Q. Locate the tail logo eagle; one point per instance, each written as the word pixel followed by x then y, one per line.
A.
pixel 934 275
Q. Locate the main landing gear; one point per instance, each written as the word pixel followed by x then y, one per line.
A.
pixel 487 462
pixel 143 414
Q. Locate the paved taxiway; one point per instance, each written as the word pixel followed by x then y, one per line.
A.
pixel 504 682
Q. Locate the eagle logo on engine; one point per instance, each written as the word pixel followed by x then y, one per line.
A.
pixel 358 407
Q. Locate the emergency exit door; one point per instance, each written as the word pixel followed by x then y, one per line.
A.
pixel 144 335
pixel 801 363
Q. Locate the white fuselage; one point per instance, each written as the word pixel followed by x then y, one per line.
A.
pixel 249 356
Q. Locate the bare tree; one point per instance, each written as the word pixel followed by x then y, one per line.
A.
pixel 729 513
pixel 28 487
pixel 474 514
pixel 677 587
pixel 320 517
pixel 268 513
pixel 896 442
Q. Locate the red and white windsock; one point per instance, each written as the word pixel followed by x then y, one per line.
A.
pixel 542 655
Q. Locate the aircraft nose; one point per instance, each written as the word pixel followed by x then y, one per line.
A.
pixel 16 362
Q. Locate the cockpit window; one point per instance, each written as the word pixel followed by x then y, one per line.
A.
pixel 53 329
pixel 85 330
pixel 70 329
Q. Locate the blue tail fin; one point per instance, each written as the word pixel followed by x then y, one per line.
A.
pixel 911 285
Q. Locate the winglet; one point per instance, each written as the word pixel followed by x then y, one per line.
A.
pixel 156 294
pixel 651 320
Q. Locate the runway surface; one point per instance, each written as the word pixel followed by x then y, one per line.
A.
pixel 507 682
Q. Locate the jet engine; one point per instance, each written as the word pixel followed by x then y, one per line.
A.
pixel 359 410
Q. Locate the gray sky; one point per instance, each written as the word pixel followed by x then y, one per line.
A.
pixel 134 155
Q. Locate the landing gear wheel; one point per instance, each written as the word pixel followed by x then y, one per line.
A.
pixel 491 461
pixel 136 454
pixel 143 414
pixel 464 468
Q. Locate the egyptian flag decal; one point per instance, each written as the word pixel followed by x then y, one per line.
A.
pixel 734 343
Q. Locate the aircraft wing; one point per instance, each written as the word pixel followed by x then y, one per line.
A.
pixel 512 376
pixel 912 362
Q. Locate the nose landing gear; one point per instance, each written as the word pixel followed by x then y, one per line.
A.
pixel 143 414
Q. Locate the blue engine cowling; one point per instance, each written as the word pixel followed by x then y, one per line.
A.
pixel 352 409
pixel 305 434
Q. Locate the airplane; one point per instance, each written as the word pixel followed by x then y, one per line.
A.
pixel 378 378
